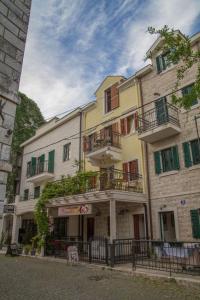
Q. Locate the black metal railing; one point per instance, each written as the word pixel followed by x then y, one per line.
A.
pixel 38 168
pixel 100 140
pixel 155 117
pixel 172 257
pixel 107 180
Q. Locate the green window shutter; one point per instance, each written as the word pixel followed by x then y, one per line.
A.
pixel 51 161
pixel 157 162
pixel 187 156
pixel 188 90
pixel 195 148
pixel 33 166
pixel 175 158
pixel 158 63
pixel 41 163
pixel 195 219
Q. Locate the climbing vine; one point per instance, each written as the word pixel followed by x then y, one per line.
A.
pixel 71 185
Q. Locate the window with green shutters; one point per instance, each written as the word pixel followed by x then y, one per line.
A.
pixel 41 161
pixel 33 166
pixel 191 152
pixel 26 194
pixel 162 62
pixel 36 192
pixel 188 90
pixel 166 160
pixel 51 161
pixel 195 220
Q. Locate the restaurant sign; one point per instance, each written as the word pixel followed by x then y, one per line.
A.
pixel 84 209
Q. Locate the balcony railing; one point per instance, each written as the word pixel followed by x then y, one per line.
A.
pixel 156 117
pixel 104 180
pixel 100 140
pixel 39 168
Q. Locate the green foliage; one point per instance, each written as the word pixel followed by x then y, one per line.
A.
pixel 179 50
pixel 71 185
pixel 28 118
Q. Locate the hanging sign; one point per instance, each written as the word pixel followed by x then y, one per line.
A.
pixel 84 209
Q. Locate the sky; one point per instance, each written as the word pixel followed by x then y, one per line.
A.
pixel 72 45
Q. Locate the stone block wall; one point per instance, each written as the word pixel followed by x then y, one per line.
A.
pixel 14 19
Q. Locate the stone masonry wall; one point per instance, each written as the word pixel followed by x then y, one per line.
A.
pixel 176 190
pixel 14 19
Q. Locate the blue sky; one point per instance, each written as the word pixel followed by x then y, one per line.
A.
pixel 73 44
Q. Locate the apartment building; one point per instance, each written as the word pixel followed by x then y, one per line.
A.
pixel 112 149
pixel 51 154
pixel 172 147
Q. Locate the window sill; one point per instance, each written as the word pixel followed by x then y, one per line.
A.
pixel 169 173
pixel 167 69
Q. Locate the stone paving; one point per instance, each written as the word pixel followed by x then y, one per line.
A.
pixel 30 278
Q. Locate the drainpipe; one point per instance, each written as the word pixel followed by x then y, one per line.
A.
pixel 80 218
pixel 146 161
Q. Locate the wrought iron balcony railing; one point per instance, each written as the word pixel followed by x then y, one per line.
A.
pixel 102 181
pixel 156 117
pixel 39 168
pixel 100 140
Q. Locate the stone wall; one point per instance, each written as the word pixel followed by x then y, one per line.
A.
pixel 14 19
pixel 171 189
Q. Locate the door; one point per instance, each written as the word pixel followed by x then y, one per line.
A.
pixel 139 226
pixel 106 177
pixel 167 226
pixel 90 228
pixel 60 227
pixel 161 111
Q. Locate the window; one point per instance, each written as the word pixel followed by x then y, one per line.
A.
pixel 128 124
pixel 111 98
pixel 26 194
pixel 166 160
pixel 108 100
pixel 130 170
pixel 28 170
pixel 66 152
pixel 195 220
pixel 36 192
pixel 191 152
pixel 162 62
pixel 188 91
pixel 51 161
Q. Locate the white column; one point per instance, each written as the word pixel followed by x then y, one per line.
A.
pixel 113 223
pixel 16 222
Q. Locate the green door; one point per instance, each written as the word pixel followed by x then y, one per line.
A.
pixel 51 161
pixel 41 161
pixel 161 111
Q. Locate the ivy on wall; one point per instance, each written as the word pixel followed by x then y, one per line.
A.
pixel 71 185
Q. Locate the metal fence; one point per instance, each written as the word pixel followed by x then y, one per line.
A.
pixel 156 117
pixel 172 257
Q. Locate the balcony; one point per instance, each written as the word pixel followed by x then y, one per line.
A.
pixel 104 149
pixel 40 172
pixel 158 123
pixel 99 187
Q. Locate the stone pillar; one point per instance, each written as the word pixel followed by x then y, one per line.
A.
pixel 13 30
pixel 113 222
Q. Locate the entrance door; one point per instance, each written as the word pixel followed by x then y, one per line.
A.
pixel 90 228
pixel 167 226
pixel 139 228
pixel 60 227
pixel 161 111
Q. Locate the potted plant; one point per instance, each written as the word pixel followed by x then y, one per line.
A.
pixel 27 249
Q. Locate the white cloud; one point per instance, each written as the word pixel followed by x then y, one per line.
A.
pixel 178 14
pixel 66 54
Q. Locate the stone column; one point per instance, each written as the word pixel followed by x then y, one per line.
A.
pixel 13 31
pixel 113 222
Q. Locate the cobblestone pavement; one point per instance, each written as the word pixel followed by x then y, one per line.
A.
pixel 30 278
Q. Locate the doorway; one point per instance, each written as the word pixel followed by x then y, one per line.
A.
pixel 139 226
pixel 161 111
pixel 90 228
pixel 167 226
